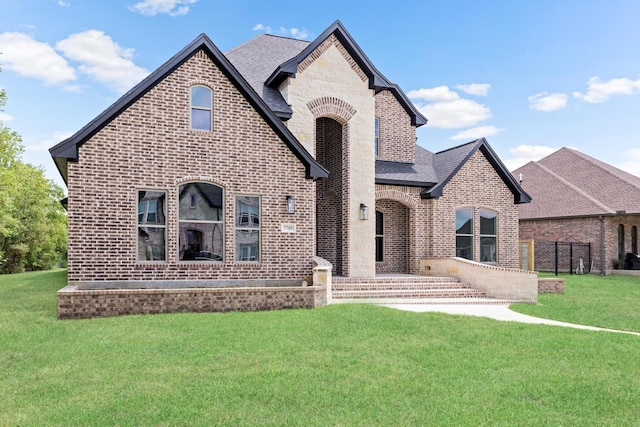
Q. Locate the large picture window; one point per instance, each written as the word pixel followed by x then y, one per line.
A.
pixel 464 233
pixel 201 108
pixel 488 235
pixel 247 228
pixel 201 222
pixel 151 225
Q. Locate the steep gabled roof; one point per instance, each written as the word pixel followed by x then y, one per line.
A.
pixel 376 80
pixel 257 58
pixel 68 149
pixel 448 162
pixel 569 183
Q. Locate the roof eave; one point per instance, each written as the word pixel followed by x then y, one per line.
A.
pixel 68 149
pixel 403 182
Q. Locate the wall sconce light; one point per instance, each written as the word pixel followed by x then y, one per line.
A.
pixel 364 211
pixel 291 205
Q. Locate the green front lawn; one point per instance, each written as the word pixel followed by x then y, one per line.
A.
pixel 606 302
pixel 342 365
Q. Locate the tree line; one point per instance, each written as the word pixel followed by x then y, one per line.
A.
pixel 33 223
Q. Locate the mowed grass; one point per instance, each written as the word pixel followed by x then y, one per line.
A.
pixel 607 302
pixel 343 365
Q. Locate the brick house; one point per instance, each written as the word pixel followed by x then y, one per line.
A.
pixel 248 165
pixel 577 198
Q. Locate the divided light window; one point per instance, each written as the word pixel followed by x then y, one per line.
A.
pixel 151 225
pixel 488 235
pixel 247 228
pixel 464 233
pixel 379 236
pixel 200 222
pixel 201 108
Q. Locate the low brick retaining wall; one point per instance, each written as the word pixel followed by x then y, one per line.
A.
pixel 76 303
pixel 551 285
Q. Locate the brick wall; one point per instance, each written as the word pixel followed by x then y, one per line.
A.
pixel 74 303
pixel 150 146
pixel 585 230
pixel 397 137
pixel 476 185
pixel 396 237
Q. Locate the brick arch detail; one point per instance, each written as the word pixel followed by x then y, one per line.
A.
pixel 398 196
pixel 335 108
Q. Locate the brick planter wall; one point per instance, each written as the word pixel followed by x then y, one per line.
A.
pixel 551 285
pixel 75 303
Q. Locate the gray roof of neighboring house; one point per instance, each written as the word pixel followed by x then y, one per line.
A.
pixel 68 149
pixel 569 183
pixel 433 171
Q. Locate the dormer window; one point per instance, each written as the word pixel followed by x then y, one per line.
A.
pixel 201 108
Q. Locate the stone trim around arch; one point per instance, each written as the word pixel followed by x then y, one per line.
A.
pixel 398 196
pixel 335 108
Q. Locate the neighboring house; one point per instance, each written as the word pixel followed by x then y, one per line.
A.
pixel 247 165
pixel 577 198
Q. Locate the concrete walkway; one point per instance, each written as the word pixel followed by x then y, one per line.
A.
pixel 494 311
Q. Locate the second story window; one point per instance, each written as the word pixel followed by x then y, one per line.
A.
pixel 201 108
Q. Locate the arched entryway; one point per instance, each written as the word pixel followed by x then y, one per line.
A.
pixel 392 237
pixel 331 194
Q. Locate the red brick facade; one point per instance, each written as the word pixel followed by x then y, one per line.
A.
pixel 397 137
pixel 150 146
pixel 585 230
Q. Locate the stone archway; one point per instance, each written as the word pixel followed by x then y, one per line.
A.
pixel 400 232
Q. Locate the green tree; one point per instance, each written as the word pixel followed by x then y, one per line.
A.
pixel 33 223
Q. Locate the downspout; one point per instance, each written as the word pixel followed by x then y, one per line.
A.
pixel 602 271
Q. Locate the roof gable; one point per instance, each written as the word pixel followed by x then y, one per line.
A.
pixel 377 81
pixel 68 149
pixel 570 183
pixel 447 163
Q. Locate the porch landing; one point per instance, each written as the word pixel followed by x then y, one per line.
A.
pixel 409 289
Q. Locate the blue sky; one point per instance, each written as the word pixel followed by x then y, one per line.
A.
pixel 530 76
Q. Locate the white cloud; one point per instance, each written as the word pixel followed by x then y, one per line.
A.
pixel 289 32
pixel 599 91
pixel 102 59
pixel 64 3
pixel 447 110
pixel 31 58
pixel 523 154
pixel 632 162
pixel 46 142
pixel 434 94
pixel 260 27
pixel 299 34
pixel 4 117
pixel 475 133
pixel 545 101
pixel 170 7
pixel 477 89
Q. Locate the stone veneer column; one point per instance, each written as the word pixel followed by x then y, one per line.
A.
pixel 330 75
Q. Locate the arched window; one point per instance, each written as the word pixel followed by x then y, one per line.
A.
pixel 464 233
pixel 201 222
pixel 488 235
pixel 379 236
pixel 634 240
pixel 201 108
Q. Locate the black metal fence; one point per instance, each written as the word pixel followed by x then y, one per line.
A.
pixel 563 257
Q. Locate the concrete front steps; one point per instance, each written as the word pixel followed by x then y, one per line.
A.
pixel 408 289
